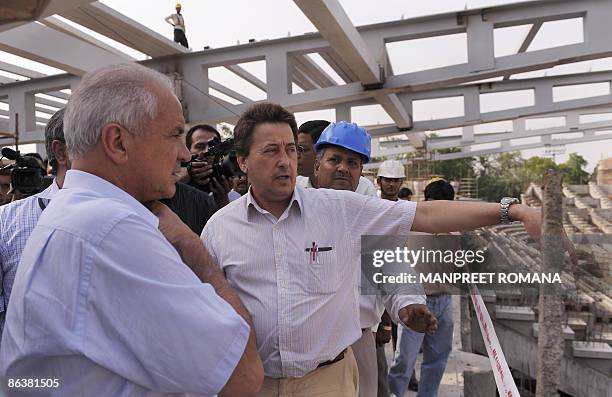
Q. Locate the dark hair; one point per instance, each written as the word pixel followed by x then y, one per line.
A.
pixel 205 127
pixel 439 190
pixel 404 192
pixel 314 128
pixel 54 131
pixel 258 114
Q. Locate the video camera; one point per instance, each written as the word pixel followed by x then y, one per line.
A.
pixel 26 175
pixel 222 156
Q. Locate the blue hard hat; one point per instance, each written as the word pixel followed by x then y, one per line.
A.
pixel 347 135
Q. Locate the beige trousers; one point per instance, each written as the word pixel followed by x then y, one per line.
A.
pixel 340 379
pixel 365 355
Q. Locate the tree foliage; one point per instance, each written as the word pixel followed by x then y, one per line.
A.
pixel 507 174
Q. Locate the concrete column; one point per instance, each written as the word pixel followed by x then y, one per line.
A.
pixel 550 336
pixel 343 112
pixel 277 76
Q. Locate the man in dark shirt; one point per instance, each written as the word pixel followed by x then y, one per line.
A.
pixel 193 206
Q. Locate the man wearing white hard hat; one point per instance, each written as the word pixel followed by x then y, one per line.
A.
pixel 390 177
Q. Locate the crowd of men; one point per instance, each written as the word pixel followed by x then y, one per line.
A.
pixel 245 286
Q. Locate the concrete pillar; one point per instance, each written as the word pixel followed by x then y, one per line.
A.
pixel 550 336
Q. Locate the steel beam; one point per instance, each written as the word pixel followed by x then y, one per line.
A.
pixel 61 26
pixel 331 20
pixel 243 73
pixel 588 137
pixel 7 67
pixel 312 70
pixel 43 44
pixel 339 66
pixel 526 42
pixel 228 91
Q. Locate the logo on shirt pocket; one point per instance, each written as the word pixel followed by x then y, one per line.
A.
pixel 324 268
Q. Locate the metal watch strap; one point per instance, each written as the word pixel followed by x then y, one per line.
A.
pixel 505 204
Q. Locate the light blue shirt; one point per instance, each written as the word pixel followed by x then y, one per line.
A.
pixel 103 303
pixel 17 220
pixel 233 195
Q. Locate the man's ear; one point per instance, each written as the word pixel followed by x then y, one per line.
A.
pixel 317 164
pixel 59 152
pixel 242 163
pixel 115 142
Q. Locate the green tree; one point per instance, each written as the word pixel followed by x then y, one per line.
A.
pixel 454 169
pixel 533 169
pixel 573 171
pixel 499 176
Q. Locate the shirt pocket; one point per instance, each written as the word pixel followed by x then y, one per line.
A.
pixel 325 273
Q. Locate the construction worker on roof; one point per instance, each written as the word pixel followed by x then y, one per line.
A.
pixel 177 21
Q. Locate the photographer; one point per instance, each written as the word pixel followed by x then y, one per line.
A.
pixel 5 182
pixel 26 176
pixel 18 219
pixel 198 140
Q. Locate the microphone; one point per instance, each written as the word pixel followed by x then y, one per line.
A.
pixel 10 153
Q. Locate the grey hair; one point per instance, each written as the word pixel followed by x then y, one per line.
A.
pixel 122 94
pixel 54 131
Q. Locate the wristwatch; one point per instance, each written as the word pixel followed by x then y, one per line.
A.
pixel 505 204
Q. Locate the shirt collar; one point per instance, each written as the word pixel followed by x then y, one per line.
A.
pixel 76 179
pixel 49 192
pixel 296 201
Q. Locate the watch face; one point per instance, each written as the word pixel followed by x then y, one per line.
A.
pixel 509 200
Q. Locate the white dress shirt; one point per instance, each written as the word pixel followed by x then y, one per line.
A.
pixel 305 309
pixel 365 186
pixel 372 307
pixel 103 303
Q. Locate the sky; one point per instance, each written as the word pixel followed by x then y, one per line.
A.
pixel 229 22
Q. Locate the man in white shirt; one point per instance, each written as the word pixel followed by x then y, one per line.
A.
pixel 178 22
pixel 103 302
pixel 292 256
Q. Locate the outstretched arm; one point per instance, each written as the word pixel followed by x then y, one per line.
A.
pixel 449 216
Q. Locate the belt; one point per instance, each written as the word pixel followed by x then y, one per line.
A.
pixel 334 360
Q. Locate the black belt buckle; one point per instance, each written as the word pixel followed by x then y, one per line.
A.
pixel 333 361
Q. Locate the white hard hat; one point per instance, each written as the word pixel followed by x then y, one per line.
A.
pixel 391 169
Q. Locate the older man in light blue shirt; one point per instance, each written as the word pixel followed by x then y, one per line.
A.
pixel 109 298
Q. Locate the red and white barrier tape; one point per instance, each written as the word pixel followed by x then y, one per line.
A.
pixel 503 378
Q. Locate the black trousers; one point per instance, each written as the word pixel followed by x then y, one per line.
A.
pixel 179 37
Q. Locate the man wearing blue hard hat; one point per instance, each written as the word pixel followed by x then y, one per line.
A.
pixel 341 151
pixel 308 135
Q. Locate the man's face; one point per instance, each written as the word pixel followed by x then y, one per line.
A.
pixel 156 155
pixel 199 142
pixel 306 159
pixel 390 186
pixel 338 169
pixel 241 184
pixel 272 162
pixel 5 186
